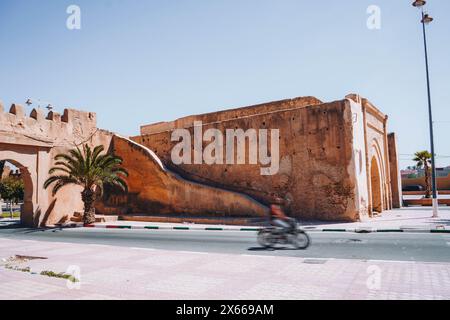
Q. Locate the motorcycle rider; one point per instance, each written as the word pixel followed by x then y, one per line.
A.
pixel 278 217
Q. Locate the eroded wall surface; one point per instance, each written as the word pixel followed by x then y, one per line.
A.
pixel 153 189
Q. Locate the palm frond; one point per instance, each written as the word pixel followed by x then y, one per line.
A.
pixel 89 168
pixel 120 170
pixel 96 153
pixel 56 169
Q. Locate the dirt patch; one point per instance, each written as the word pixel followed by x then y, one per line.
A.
pixel 21 259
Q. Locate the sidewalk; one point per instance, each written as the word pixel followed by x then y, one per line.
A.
pixel 405 218
pixel 108 272
pixel 415 219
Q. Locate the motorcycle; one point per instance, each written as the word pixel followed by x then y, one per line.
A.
pixel 270 236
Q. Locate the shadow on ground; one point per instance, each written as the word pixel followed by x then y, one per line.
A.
pixel 16 227
pixel 273 249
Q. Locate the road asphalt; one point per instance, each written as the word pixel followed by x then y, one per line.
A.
pixel 391 247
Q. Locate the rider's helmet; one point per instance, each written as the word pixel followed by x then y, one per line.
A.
pixel 279 201
pixel 276 207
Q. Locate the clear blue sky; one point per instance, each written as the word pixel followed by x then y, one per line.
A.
pixel 136 62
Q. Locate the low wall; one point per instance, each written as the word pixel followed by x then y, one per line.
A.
pixel 443 183
pixel 425 202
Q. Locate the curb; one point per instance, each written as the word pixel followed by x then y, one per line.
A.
pixel 361 230
pixel 169 228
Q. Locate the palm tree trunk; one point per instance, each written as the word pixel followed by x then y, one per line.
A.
pixel 88 197
pixel 11 215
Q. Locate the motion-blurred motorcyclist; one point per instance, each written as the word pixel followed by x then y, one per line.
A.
pixel 278 217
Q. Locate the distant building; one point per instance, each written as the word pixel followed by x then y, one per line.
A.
pixel 443 172
pixel 9 172
pixel 409 173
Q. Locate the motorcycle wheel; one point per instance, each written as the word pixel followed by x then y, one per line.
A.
pixel 265 238
pixel 300 240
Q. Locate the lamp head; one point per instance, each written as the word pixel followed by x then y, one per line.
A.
pixel 419 3
pixel 427 19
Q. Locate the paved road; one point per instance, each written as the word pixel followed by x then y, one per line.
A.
pixel 396 247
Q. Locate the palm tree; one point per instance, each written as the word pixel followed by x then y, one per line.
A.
pixel 423 160
pixel 89 169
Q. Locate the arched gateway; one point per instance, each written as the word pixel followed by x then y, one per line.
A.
pixel 30 198
pixel 30 143
pixel 375 179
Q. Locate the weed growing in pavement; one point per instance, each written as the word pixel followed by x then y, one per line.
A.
pixel 16 268
pixel 61 275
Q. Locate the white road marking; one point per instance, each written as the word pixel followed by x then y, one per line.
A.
pixel 193 252
pixel 147 249
pixel 256 255
pixel 394 261
pixel 99 245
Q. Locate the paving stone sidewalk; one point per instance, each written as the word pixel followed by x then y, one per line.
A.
pixel 407 218
pixel 108 272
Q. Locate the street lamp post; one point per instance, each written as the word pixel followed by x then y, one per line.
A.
pixel 426 19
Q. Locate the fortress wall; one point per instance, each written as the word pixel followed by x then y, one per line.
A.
pixel 230 114
pixel 327 153
pixel 53 128
pixel 316 151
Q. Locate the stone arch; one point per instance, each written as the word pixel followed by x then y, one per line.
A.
pixel 33 162
pixel 376 185
pixel 28 207
pixel 383 172
pixel 377 154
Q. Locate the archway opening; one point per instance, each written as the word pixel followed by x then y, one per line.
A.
pixel 16 191
pixel 375 179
